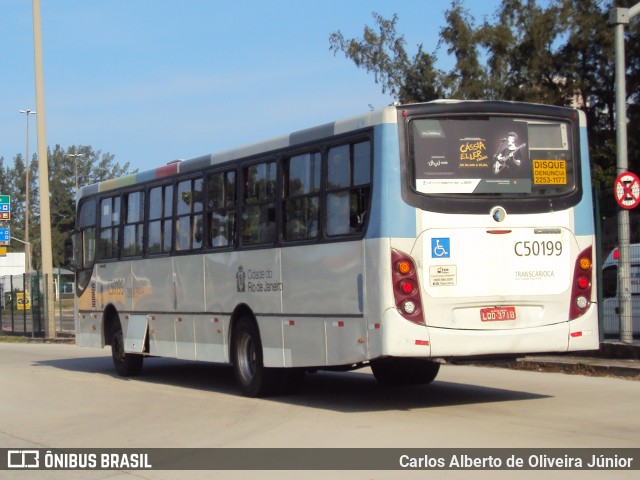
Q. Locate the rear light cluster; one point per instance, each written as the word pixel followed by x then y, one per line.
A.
pixel 581 288
pixel 406 289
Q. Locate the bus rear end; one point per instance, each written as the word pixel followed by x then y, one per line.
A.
pixel 502 261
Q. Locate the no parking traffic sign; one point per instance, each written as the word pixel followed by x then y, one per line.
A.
pixel 627 190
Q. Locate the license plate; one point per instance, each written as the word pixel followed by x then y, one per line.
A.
pixel 497 314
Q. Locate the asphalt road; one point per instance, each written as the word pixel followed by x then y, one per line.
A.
pixel 62 396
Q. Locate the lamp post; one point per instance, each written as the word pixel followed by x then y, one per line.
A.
pixel 618 18
pixel 27 245
pixel 75 166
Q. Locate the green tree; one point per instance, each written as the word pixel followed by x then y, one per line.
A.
pixel 383 53
pixel 92 166
pixel 14 184
pixel 468 79
pixel 558 52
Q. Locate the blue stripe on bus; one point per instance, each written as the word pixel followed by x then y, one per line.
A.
pixel 583 213
pixel 394 217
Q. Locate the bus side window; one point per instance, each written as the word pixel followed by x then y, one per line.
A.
pixel 133 223
pixel 159 234
pixel 348 188
pixel 88 247
pixel 259 213
pixel 221 211
pixel 84 244
pixel 84 240
pixel 109 227
pixel 189 208
pixel 301 196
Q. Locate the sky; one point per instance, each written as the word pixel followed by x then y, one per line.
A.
pixel 152 81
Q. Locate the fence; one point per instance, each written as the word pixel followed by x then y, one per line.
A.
pixel 22 303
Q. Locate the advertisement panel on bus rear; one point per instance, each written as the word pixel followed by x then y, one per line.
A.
pixel 474 156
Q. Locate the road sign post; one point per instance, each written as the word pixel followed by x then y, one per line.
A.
pixel 618 18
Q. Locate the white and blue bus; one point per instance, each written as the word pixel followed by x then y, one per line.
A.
pixel 394 240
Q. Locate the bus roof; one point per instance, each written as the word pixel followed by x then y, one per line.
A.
pixel 374 117
pixel 369 119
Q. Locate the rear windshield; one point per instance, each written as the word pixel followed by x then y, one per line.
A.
pixel 491 156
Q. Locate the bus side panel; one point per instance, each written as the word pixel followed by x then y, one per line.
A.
pixel 346 341
pixel 304 341
pixel 390 215
pixel 89 330
pixel 323 278
pixel 162 335
pixel 188 274
pixel 584 224
pixel 378 294
pixel 210 332
pixel 323 301
pixel 113 285
pixel 153 287
pixel 88 324
pixel 185 337
pixel 252 278
pixel 154 290
pixel 392 224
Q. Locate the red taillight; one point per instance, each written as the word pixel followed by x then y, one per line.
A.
pixel 616 254
pixel 406 290
pixel 581 286
pixel 407 286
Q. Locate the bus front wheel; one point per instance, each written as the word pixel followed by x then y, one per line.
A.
pixel 126 364
pixel 404 371
pixel 252 377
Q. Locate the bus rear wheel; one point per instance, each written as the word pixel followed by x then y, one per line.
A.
pixel 252 377
pixel 126 364
pixel 404 371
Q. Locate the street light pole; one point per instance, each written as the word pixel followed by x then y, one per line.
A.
pixel 75 166
pixel 618 18
pixel 27 245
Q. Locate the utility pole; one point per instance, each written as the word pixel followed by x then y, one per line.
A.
pixel 618 18
pixel 43 170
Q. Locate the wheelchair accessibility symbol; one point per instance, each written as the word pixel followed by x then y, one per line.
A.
pixel 440 248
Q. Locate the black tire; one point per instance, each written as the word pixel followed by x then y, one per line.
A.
pixel 404 371
pixel 126 364
pixel 252 377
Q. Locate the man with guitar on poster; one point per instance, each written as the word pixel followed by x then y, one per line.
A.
pixel 508 154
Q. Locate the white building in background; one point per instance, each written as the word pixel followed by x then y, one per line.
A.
pixel 11 264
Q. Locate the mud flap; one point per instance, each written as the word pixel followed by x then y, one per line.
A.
pixel 136 334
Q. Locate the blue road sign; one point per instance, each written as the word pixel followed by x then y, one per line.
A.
pixel 5 236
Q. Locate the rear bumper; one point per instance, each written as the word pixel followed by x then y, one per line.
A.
pixel 405 339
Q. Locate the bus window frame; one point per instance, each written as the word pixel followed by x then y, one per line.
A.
pixel 209 211
pixel 240 167
pixel 162 219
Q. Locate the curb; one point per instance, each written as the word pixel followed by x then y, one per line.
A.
pixel 629 369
